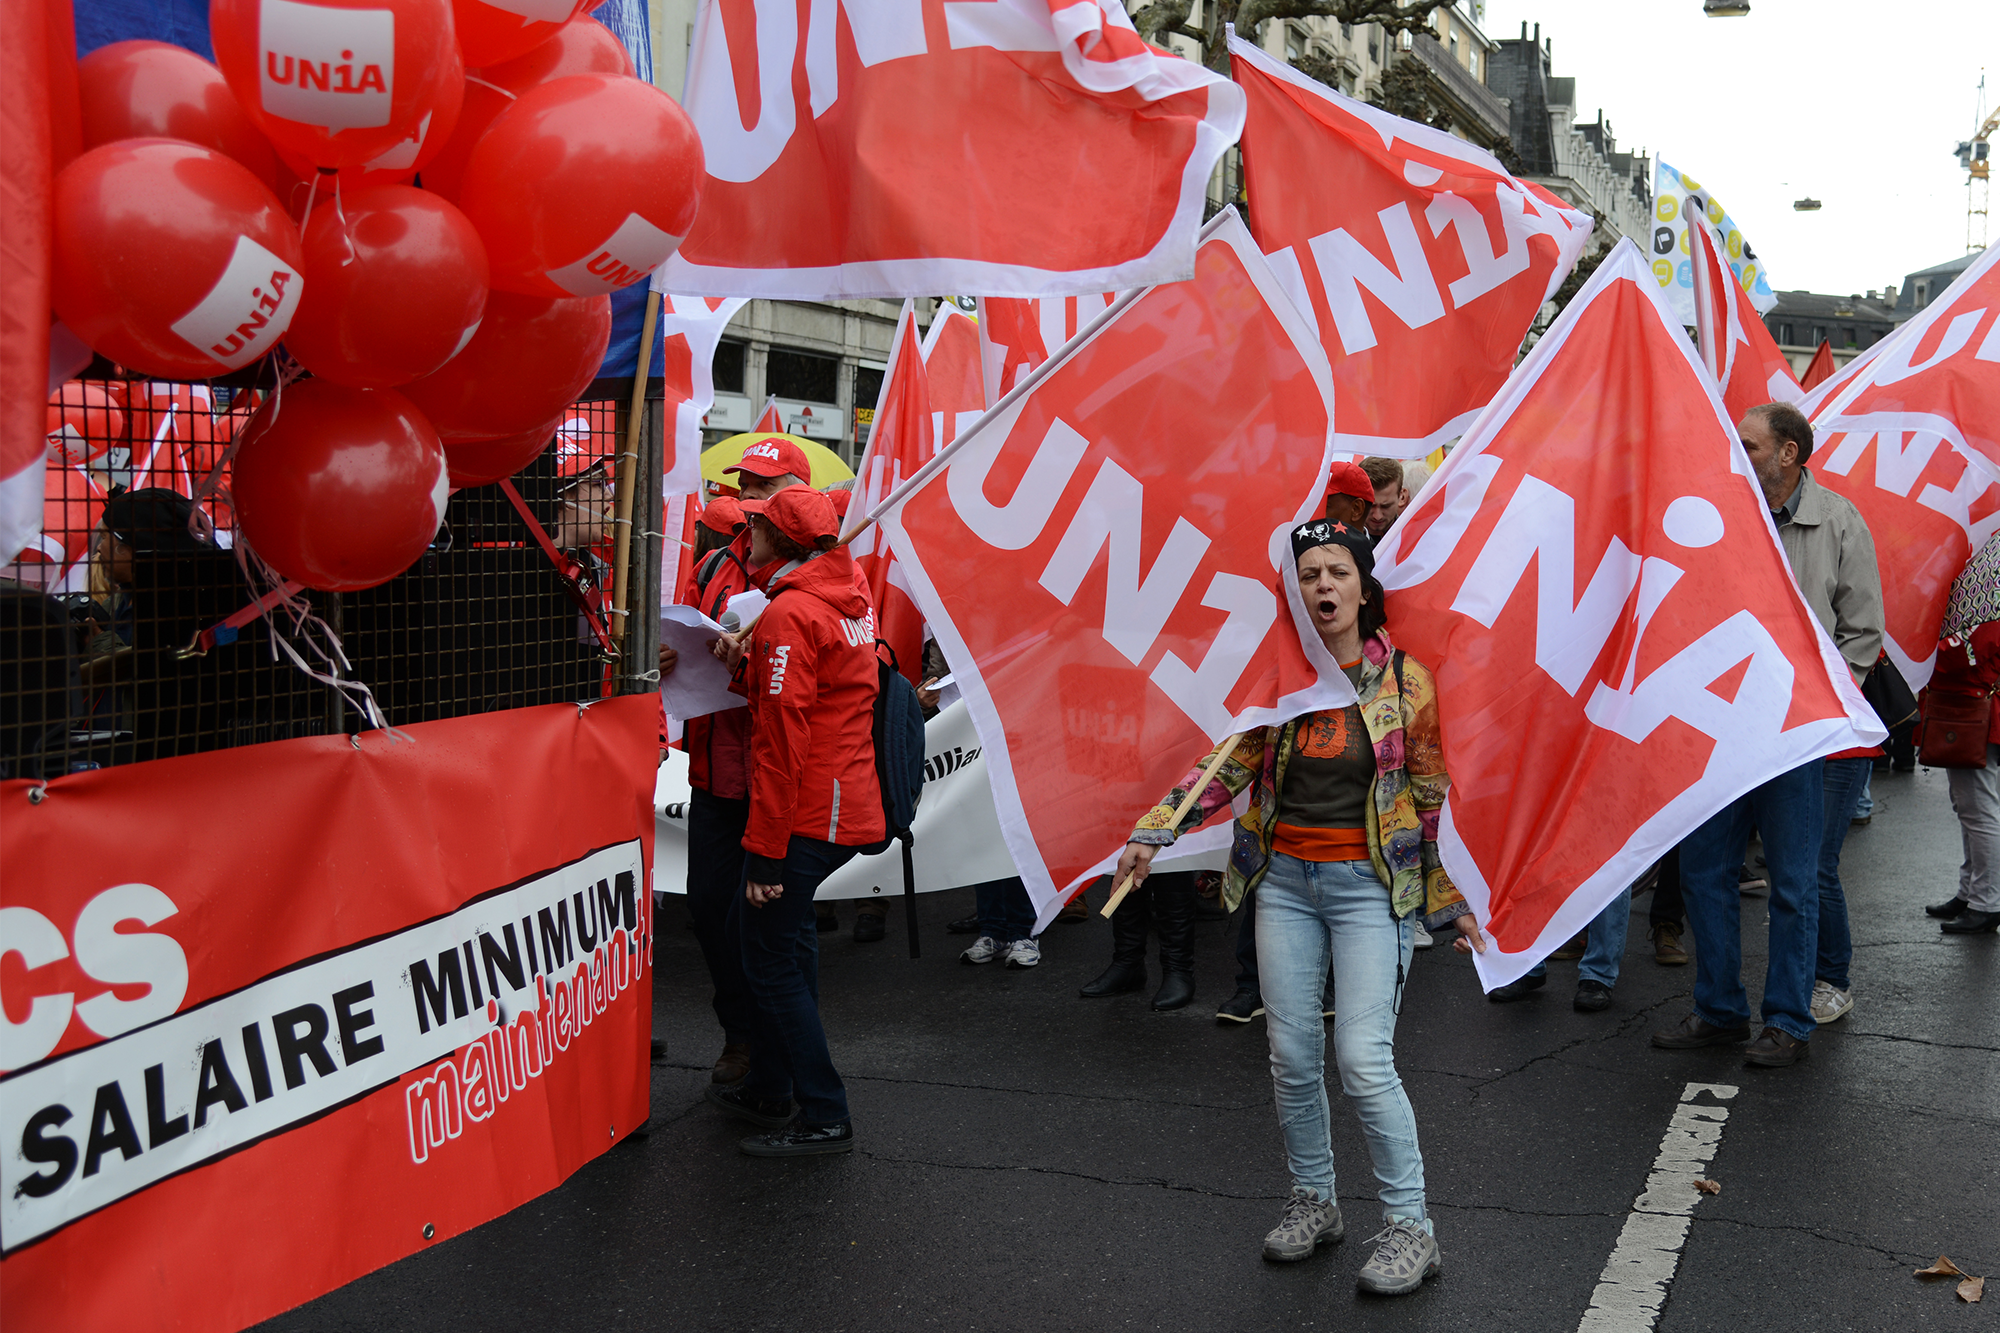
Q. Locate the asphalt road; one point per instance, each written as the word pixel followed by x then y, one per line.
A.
pixel 1028 1160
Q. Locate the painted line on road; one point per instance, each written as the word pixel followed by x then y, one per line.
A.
pixel 1634 1284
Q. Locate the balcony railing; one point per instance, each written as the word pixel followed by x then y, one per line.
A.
pixel 1481 103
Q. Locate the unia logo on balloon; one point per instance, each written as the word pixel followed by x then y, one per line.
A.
pixel 627 255
pixel 330 67
pixel 247 310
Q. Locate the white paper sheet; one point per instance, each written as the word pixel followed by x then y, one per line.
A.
pixel 699 684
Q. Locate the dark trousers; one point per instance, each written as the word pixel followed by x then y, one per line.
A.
pixel 1668 907
pixel 1005 913
pixel 715 879
pixel 779 946
pixel 1246 945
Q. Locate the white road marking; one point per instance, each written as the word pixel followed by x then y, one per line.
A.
pixel 1641 1268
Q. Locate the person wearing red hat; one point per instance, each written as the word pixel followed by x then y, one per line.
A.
pixel 1349 492
pixel 718 748
pixel 809 671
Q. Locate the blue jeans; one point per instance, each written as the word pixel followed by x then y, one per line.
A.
pixel 779 945
pixel 1604 943
pixel 1004 910
pixel 1790 812
pixel 1843 781
pixel 1310 913
pixel 715 880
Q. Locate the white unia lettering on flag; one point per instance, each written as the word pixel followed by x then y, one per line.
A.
pixel 690 328
pixel 1619 647
pixel 1419 260
pixel 1910 432
pixel 1736 348
pixel 801 203
pixel 1105 558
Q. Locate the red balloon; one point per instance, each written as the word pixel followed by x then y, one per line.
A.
pixel 581 46
pixel 172 259
pixel 339 82
pixel 339 488
pixel 399 165
pixel 83 421
pixel 395 285
pixel 483 462
pixel 531 357
pixel 144 90
pixel 583 186
pixel 490 31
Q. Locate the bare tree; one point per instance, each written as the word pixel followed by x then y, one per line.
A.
pixel 1159 19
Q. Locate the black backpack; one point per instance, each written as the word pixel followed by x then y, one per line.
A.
pixel 899 748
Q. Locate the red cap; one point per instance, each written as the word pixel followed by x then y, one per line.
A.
pixel 723 514
pixel 800 512
pixel 773 456
pixel 842 498
pixel 1349 479
pixel 576 450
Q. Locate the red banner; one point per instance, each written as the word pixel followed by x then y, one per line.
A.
pixel 903 440
pixel 903 147
pixel 1735 346
pixel 1018 333
pixel 316 1006
pixel 1910 432
pixel 690 328
pixel 1419 260
pixel 1106 559
pixel 1619 647
pixel 27 161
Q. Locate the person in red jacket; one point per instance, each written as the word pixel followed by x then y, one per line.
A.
pixel 810 675
pixel 718 748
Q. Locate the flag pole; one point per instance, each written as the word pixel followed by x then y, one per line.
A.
pixel 1222 752
pixel 628 470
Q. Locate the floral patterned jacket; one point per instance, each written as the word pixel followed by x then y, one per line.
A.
pixel 1401 713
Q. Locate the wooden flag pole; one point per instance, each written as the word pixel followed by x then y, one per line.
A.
pixel 1222 752
pixel 628 472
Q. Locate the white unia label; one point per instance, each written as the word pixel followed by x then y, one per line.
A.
pixel 334 68
pixel 627 255
pixel 247 310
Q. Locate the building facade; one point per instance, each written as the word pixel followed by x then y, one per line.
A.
pixel 1578 163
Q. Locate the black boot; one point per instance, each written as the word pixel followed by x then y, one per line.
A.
pixel 1127 972
pixel 1173 920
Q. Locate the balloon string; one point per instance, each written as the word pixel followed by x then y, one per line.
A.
pixel 346 233
pixel 495 87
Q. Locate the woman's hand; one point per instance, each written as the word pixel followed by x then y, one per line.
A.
pixel 669 659
pixel 759 894
pixel 1137 863
pixel 927 693
pixel 1469 939
pixel 729 649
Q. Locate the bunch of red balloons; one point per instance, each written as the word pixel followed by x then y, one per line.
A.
pixel 427 202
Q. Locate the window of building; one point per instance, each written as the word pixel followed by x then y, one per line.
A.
pixel 1785 334
pixel 790 374
pixel 1454 46
pixel 729 358
pixel 1819 334
pixel 1923 292
pixel 867 387
pixel 1847 334
pixel 1374 49
pixel 1346 32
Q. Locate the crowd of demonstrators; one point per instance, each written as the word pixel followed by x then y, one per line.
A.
pixel 1341 823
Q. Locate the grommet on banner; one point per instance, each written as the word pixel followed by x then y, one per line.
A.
pixel 38 793
pixel 612 1130
pixel 354 739
pixel 429 1231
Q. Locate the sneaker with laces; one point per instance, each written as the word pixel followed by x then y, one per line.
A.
pixel 1024 953
pixel 984 950
pixel 1829 1002
pixel 1405 1254
pixel 1424 939
pixel 1307 1224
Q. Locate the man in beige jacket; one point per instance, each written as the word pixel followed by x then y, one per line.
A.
pixel 1802 815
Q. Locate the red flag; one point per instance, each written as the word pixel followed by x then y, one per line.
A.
pixel 54 560
pixel 1018 333
pixel 1910 432
pixel 27 208
pixel 1735 346
pixel 690 328
pixel 1387 243
pixel 952 371
pixel 904 147
pixel 1656 664
pixel 770 419
pixel 904 438
pixel 1098 557
pixel 1821 367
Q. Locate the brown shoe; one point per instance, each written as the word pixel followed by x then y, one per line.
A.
pixel 1775 1049
pixel 1667 950
pixel 1573 950
pixel 1076 909
pixel 731 1065
pixel 1694 1030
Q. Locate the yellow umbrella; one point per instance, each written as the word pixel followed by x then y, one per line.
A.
pixel 826 465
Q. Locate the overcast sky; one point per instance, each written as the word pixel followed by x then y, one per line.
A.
pixel 1857 105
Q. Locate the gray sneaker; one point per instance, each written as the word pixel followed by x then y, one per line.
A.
pixel 984 950
pixel 1405 1256
pixel 1307 1223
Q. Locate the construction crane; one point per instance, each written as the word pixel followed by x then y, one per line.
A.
pixel 1972 156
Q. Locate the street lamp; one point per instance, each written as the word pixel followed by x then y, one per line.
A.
pixel 1806 205
pixel 1725 9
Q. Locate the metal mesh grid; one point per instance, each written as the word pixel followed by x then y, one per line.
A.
pixel 91 667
